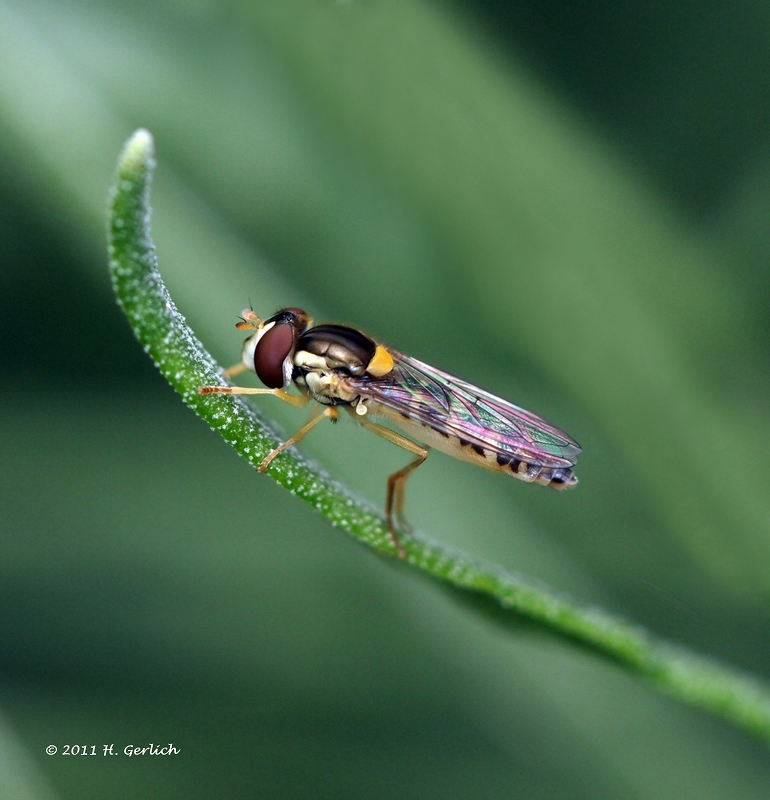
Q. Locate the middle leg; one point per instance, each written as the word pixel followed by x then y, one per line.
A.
pixel 328 411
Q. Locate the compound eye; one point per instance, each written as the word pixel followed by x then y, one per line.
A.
pixel 272 350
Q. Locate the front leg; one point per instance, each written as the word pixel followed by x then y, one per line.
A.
pixel 291 399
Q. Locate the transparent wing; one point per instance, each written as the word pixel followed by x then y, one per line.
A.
pixel 452 406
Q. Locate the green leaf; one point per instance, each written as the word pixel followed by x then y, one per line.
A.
pixel 185 363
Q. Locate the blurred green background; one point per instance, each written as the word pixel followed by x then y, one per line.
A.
pixel 564 203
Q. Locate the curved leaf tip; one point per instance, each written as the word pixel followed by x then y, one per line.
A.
pixel 137 152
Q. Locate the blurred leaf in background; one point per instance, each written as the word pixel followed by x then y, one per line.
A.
pixel 565 207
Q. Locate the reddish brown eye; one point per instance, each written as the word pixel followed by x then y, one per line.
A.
pixel 271 351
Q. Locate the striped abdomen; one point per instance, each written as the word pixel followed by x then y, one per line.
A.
pixel 558 477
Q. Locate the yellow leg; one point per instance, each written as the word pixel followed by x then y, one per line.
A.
pixel 291 399
pixel 328 411
pixel 236 369
pixel 397 481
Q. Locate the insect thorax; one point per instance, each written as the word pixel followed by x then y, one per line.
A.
pixel 323 385
pixel 324 356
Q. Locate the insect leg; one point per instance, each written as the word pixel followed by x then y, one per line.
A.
pixel 291 399
pixel 397 481
pixel 329 411
pixel 236 369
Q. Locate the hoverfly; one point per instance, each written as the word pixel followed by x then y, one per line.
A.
pixel 340 367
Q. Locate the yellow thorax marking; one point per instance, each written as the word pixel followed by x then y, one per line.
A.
pixel 381 364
